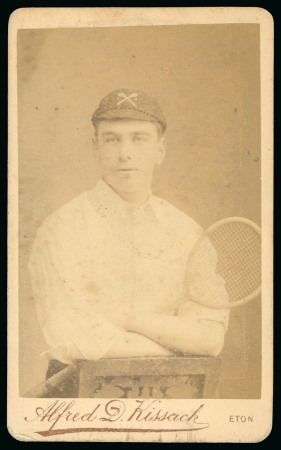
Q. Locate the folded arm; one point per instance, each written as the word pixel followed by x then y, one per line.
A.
pixel 184 334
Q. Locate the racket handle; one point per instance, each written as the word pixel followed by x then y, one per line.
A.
pixel 228 305
pixel 56 381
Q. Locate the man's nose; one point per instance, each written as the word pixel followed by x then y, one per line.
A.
pixel 125 149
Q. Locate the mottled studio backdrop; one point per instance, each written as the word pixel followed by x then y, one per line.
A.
pixel 207 79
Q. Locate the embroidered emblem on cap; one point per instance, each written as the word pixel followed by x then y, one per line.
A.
pixel 129 104
pixel 128 98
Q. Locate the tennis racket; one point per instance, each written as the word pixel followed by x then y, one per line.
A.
pixel 224 266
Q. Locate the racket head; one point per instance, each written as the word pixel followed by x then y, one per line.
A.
pixel 224 267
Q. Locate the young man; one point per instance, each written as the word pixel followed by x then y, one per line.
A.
pixel 105 266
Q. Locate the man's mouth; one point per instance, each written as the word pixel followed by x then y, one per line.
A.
pixel 127 169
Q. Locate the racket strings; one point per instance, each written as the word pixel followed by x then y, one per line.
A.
pixel 231 252
pixel 204 283
pixel 239 258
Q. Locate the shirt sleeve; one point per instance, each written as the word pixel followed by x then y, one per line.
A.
pixel 200 312
pixel 65 312
pixel 204 284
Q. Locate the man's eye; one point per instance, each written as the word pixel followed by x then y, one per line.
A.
pixel 140 139
pixel 111 139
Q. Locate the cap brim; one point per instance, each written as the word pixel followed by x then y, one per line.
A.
pixel 124 114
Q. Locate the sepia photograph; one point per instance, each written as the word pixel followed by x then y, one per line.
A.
pixel 139 214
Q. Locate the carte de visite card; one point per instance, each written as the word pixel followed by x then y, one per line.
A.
pixel 140 254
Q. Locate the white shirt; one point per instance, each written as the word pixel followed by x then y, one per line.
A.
pixel 98 256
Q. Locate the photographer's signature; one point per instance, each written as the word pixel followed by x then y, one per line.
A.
pixel 65 417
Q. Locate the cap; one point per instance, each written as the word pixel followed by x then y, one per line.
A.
pixel 129 104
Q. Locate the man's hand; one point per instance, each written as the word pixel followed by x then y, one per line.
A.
pixel 130 345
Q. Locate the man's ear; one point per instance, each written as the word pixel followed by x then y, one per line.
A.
pixel 95 145
pixel 161 151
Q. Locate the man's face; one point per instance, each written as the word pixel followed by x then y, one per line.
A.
pixel 128 152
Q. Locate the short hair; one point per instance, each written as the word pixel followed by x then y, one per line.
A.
pixel 158 126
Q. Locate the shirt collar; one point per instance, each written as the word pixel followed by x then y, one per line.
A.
pixel 108 202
